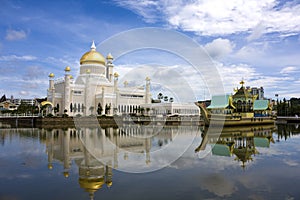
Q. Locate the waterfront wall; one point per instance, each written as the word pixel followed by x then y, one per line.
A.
pixel 103 121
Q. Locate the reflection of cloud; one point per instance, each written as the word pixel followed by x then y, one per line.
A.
pixel 219 185
pixel 291 163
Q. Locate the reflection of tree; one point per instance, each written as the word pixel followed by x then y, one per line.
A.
pixel 287 130
pixel 99 109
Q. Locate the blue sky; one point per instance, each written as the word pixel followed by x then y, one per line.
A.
pixel 255 40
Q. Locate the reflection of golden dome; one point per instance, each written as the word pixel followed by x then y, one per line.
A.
pixel 50 166
pixel 67 69
pixel 66 174
pixel 109 183
pixel 51 75
pixel 92 57
pixel 91 184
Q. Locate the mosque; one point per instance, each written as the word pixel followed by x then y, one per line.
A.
pixel 95 91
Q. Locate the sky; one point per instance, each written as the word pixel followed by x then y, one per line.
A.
pixel 257 41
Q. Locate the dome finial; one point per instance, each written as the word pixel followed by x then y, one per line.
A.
pixel 93 47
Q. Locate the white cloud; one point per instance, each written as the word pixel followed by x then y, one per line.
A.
pixel 15 34
pixel 15 58
pixel 219 48
pixel 216 17
pixel 24 93
pixel 145 8
pixel 288 70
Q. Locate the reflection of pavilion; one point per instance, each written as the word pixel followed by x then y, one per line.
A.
pixel 96 151
pixel 238 141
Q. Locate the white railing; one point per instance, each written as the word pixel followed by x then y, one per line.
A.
pixel 6 115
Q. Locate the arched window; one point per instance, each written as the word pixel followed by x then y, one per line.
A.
pixel 71 107
pixel 78 107
pixel 239 106
pixel 57 107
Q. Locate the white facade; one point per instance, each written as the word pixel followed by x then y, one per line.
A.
pixel 169 109
pixel 95 90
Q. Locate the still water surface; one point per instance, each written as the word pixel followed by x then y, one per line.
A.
pixel 86 163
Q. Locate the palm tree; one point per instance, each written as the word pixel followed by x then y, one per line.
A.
pixel 166 98
pixel 160 96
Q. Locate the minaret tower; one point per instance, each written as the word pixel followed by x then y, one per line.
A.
pixel 109 67
pixel 51 90
pixel 147 95
pixel 66 100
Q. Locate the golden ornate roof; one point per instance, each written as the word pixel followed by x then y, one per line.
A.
pixel 92 57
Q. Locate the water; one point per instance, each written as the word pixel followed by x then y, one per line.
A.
pixel 89 163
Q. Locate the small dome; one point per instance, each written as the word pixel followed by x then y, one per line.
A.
pixel 92 56
pixel 109 56
pixel 51 75
pixel 67 69
pixel 116 74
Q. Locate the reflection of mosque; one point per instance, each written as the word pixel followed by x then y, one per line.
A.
pixel 96 151
pixel 238 141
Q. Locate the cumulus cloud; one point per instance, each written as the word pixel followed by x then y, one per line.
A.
pixel 216 17
pixel 15 34
pixel 219 48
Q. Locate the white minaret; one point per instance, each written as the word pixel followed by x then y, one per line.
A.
pixel 87 96
pixel 51 90
pixel 147 95
pixel 116 91
pixel 66 100
pixel 103 101
pixel 109 67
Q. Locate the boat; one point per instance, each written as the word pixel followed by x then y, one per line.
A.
pixel 240 109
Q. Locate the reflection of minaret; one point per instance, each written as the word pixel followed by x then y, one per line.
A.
pixel 147 148
pixel 66 150
pixel 116 151
pixel 108 175
pixel 50 144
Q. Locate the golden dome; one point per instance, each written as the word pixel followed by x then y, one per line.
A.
pixel 51 75
pixel 92 57
pixel 71 77
pixel 67 69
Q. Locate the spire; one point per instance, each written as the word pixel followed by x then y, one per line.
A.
pixel 93 47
